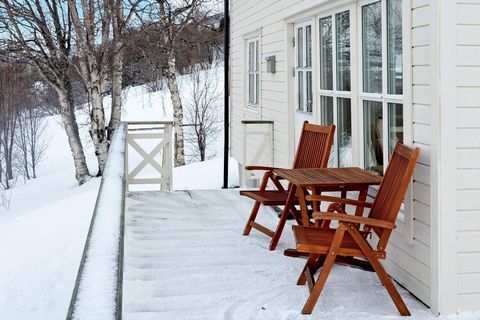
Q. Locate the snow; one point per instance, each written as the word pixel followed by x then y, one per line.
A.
pixel 96 298
pixel 217 274
pixel 43 232
pixel 185 258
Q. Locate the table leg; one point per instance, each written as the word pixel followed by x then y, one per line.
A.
pixel 303 206
pixel 362 196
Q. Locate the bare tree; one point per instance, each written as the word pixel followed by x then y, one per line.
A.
pixel 92 35
pixel 12 86
pixel 203 111
pixel 173 16
pixel 120 23
pixel 39 33
pixel 31 140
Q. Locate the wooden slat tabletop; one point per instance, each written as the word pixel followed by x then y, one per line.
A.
pixel 333 177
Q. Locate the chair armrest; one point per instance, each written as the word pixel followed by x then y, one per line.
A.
pixel 253 168
pixel 339 200
pixel 353 219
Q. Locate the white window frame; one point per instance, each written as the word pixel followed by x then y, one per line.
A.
pixel 334 93
pixel 304 68
pixel 383 97
pixel 256 73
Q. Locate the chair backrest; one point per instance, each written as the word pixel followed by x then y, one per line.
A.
pixel 314 146
pixel 392 190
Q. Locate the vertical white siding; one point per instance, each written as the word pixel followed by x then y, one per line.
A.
pixel 468 153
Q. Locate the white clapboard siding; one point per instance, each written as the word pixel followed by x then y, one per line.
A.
pixel 468 153
pixel 408 261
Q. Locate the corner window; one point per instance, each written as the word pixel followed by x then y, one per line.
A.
pixel 382 87
pixel 303 67
pixel 335 83
pixel 253 72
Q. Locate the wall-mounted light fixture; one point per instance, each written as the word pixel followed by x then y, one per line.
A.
pixel 271 64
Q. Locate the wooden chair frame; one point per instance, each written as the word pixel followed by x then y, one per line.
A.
pixel 280 196
pixel 347 240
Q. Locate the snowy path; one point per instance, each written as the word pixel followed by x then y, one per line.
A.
pixel 185 258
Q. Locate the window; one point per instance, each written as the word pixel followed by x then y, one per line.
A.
pixel 335 83
pixel 303 67
pixel 253 64
pixel 382 87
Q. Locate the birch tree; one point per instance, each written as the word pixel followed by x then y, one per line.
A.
pixel 91 20
pixel 173 16
pixel 122 15
pixel 39 33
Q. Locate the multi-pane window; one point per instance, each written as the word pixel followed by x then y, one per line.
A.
pixel 382 81
pixel 253 64
pixel 303 67
pixel 335 83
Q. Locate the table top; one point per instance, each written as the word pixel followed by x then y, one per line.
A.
pixel 352 176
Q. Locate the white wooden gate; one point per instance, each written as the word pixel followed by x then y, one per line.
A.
pixel 257 148
pixel 157 135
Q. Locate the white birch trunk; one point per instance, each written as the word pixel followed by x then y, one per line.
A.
pixel 71 128
pixel 169 74
pixel 117 72
pixel 97 129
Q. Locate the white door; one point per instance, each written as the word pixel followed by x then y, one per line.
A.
pixel 303 76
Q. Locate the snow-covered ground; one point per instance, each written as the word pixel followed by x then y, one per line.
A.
pixel 185 258
pixel 43 232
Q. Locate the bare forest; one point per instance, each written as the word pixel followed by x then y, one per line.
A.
pixel 58 57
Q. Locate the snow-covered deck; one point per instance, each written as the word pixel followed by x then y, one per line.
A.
pixel 185 258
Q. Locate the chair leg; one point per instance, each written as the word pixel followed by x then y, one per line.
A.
pixel 283 218
pixel 327 267
pixel 252 217
pixel 256 206
pixel 382 274
pixel 314 262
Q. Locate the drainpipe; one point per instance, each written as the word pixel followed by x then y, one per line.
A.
pixel 226 92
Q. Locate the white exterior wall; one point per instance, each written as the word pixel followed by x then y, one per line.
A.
pixel 409 255
pixel 468 153
pixel 416 252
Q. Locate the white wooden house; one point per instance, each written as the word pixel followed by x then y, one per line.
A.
pixel 382 71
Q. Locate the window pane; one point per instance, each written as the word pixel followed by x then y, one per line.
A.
pixel 300 90
pixel 394 47
pixel 372 47
pixel 309 91
pixel 308 38
pixel 257 87
pixel 300 47
pixel 373 130
pixel 257 56
pixel 251 55
pixel 343 50
pixel 395 125
pixel 344 133
pixel 326 73
pixel 326 110
pixel 251 88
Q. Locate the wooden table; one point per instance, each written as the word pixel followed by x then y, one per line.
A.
pixel 328 179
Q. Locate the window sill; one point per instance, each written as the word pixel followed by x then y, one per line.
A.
pixel 309 113
pixel 252 108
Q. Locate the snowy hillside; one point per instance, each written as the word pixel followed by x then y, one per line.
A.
pixel 43 232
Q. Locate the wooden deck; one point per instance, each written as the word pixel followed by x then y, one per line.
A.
pixel 185 258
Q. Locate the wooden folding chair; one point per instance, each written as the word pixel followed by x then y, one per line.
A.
pixel 349 239
pixel 313 151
